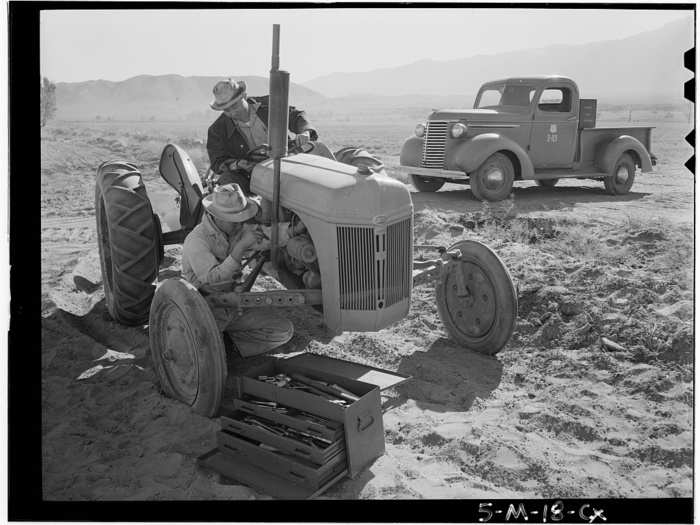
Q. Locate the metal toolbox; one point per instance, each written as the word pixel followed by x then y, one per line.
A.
pixel 285 467
pixel 361 420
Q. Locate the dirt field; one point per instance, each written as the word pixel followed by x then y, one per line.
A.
pixel 553 415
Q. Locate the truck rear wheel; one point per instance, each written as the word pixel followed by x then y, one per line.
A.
pixel 128 240
pixel 493 180
pixel 476 298
pixel 187 348
pixel 426 184
pixel 621 176
pixel 547 183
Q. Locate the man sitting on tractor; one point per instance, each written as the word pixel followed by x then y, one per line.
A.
pixel 211 261
pixel 241 128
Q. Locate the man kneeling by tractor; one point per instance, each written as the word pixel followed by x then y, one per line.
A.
pixel 212 258
pixel 349 254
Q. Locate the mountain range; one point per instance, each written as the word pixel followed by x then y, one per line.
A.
pixel 641 68
pixel 161 97
pixel 644 68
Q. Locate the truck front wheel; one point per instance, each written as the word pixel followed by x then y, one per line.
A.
pixel 427 184
pixel 621 176
pixel 493 180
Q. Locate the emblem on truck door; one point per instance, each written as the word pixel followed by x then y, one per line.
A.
pixel 552 135
pixel 552 128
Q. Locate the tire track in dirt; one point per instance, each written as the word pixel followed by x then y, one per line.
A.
pixel 64 222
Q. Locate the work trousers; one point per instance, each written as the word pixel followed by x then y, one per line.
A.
pixel 256 330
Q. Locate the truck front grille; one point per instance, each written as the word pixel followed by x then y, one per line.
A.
pixel 375 265
pixel 434 144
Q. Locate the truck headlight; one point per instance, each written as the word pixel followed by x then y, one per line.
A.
pixel 457 130
pixel 420 130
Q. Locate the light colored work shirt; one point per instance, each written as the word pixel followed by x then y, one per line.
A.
pixel 205 253
pixel 255 130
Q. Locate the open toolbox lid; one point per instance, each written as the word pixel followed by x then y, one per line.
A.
pixel 365 373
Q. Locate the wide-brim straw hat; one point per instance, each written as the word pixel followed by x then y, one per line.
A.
pixel 227 93
pixel 229 203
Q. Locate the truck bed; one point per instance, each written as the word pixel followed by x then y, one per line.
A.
pixel 592 138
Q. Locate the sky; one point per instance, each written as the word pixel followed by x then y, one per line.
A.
pixel 119 44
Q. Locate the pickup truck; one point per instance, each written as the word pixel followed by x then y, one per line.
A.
pixel 526 128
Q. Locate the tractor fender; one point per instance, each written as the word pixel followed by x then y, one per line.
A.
pixel 470 155
pixel 412 151
pixel 609 154
pixel 179 171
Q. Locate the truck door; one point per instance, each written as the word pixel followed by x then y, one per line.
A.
pixel 555 126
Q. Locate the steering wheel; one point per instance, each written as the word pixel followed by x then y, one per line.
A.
pixel 304 148
pixel 259 153
pixel 262 152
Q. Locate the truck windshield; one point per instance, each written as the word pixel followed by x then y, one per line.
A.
pixel 500 95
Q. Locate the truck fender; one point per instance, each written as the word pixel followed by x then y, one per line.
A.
pixel 476 150
pixel 608 155
pixel 412 151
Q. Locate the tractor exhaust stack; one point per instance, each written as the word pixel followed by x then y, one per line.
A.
pixel 278 122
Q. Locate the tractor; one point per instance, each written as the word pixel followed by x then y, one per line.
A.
pixel 354 263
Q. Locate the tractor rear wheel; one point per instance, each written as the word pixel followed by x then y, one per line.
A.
pixel 493 180
pixel 128 239
pixel 621 176
pixel 476 298
pixel 547 183
pixel 187 348
pixel 426 184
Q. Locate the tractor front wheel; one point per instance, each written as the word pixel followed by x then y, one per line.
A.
pixel 187 348
pixel 476 298
pixel 128 239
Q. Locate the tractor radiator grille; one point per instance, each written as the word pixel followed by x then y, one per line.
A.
pixel 356 268
pixel 434 144
pixel 375 266
pixel 399 258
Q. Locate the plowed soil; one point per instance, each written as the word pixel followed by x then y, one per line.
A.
pixel 554 414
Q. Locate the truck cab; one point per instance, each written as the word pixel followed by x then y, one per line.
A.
pixel 535 128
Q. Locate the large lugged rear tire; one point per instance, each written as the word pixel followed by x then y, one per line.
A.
pixel 426 184
pixel 187 348
pixel 128 240
pixel 483 317
pixel 621 176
